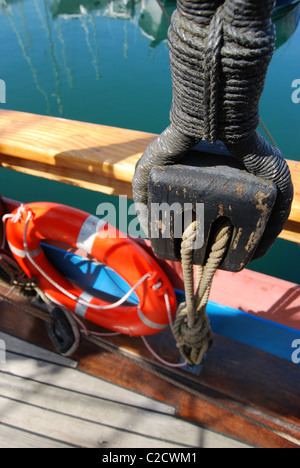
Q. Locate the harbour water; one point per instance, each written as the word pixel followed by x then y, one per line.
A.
pixel 106 61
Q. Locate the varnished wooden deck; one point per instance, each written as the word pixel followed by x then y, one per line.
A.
pixel 47 402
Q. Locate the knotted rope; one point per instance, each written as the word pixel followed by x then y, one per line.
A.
pixel 219 55
pixel 192 327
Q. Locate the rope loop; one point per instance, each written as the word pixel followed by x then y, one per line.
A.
pixel 192 327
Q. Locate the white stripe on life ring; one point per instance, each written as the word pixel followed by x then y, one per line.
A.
pixel 22 253
pixel 88 232
pixel 149 323
pixel 81 309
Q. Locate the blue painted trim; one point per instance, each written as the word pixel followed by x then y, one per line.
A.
pixel 235 324
pixel 251 330
pixel 91 276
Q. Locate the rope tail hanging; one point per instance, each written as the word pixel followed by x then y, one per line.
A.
pixel 192 327
pixel 219 56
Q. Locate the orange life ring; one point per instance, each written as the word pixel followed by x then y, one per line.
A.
pixel 2 213
pixel 51 221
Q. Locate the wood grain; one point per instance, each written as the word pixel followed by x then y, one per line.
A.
pixel 242 392
pixel 95 157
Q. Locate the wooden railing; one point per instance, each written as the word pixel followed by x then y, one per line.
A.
pixel 95 157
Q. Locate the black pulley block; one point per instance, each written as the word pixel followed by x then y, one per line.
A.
pixel 208 188
pixel 63 331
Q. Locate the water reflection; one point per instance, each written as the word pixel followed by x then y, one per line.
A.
pixel 25 45
pixel 148 15
pixel 75 7
pixel 286 22
pixel 153 22
pixel 56 27
pixel 151 19
pixel 115 9
pixel 46 25
pixel 145 14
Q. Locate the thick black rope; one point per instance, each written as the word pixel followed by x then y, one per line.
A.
pixel 219 56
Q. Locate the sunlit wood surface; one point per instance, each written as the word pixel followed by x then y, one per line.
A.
pixel 95 157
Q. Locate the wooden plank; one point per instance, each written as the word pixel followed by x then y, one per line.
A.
pixel 241 392
pixel 74 177
pixel 85 402
pixel 50 374
pixel 25 349
pixel 12 437
pixel 108 153
pixel 226 410
pixel 118 425
pixel 82 433
pixel 91 156
pixel 292 228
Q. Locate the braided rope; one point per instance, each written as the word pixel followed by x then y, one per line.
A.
pixel 219 56
pixel 192 328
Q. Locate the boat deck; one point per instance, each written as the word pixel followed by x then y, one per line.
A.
pixel 242 398
pixel 47 402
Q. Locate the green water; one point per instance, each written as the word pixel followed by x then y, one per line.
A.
pixel 107 62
